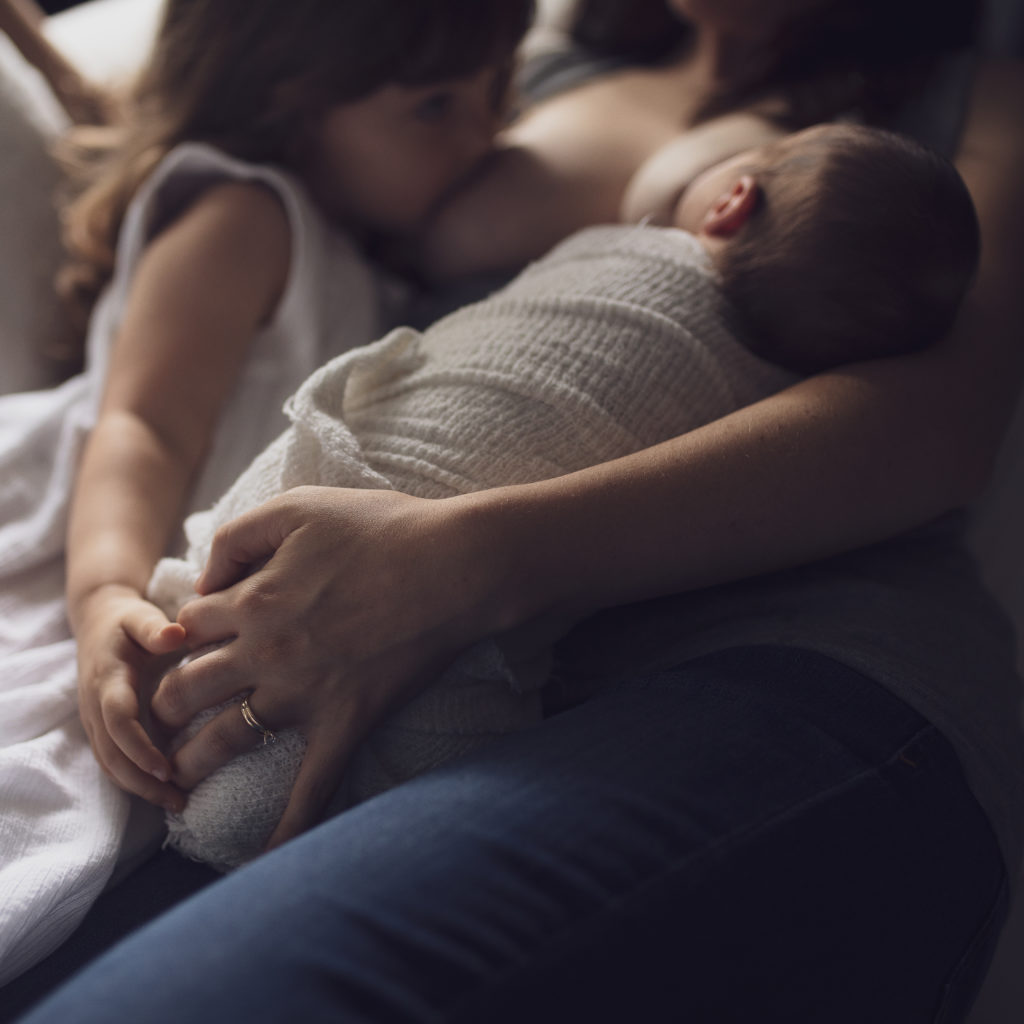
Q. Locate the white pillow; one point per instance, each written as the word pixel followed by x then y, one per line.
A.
pixel 107 40
pixel 31 318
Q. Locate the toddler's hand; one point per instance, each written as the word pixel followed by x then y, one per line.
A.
pixel 120 637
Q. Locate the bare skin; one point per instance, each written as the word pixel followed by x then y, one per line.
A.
pixel 840 460
pixel 568 162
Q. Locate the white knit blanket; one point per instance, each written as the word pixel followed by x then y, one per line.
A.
pixel 615 341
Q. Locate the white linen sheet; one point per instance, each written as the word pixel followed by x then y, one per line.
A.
pixel 61 820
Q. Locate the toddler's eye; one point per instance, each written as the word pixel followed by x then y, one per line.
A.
pixel 435 107
pixel 501 89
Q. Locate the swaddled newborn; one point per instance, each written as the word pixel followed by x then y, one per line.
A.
pixel 616 340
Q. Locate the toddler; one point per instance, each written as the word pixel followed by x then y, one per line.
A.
pixel 217 251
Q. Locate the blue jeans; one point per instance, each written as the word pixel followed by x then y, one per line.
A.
pixel 758 835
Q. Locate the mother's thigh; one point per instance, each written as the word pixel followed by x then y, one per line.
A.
pixel 757 835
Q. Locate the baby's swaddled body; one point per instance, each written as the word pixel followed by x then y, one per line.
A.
pixel 618 339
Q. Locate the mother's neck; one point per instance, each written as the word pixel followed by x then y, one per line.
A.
pixel 727 60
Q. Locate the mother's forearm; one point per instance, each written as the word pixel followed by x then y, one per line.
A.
pixel 838 461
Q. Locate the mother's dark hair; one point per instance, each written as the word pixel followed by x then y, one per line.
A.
pixel 839 56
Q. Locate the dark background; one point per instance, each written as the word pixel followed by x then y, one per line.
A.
pixel 53 6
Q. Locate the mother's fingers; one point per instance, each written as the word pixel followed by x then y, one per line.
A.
pixel 252 537
pixel 322 768
pixel 219 741
pixel 209 620
pixel 202 682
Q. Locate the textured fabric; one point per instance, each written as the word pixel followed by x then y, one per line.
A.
pixel 617 339
pixel 782 840
pixel 910 613
pixel 62 821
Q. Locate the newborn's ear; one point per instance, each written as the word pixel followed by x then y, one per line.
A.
pixel 732 209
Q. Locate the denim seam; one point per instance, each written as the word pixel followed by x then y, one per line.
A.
pixel 733 838
pixel 982 935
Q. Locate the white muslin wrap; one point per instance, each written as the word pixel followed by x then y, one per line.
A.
pixel 618 339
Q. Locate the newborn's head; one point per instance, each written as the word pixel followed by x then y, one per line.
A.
pixel 837 243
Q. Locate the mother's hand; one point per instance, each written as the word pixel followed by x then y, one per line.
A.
pixel 365 597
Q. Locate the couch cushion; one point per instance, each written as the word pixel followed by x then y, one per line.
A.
pixel 31 320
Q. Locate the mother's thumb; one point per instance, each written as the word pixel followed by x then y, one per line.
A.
pixel 242 543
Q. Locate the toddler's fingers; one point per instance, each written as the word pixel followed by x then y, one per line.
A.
pixel 168 639
pixel 151 629
pixel 119 711
pixel 135 744
pixel 129 777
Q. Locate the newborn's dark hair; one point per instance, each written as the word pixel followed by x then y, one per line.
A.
pixel 863 245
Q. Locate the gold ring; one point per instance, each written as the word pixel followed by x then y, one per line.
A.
pixel 254 723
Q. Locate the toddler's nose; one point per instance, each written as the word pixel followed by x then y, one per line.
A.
pixel 480 135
